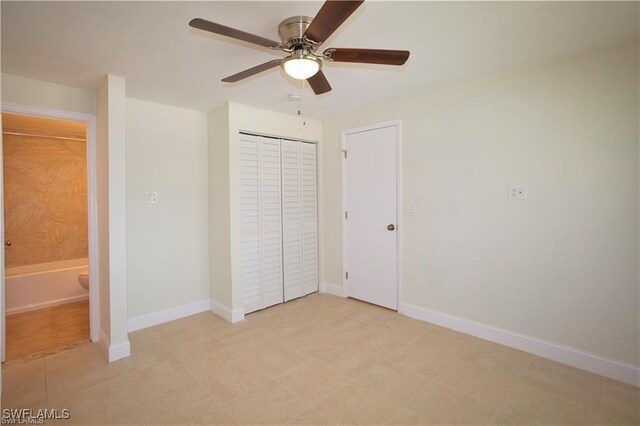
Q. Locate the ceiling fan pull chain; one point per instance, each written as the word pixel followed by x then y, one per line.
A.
pixel 300 101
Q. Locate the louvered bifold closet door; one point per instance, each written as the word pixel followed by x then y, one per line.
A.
pixel 291 219
pixel 309 218
pixel 250 221
pixel 271 222
pixel 260 222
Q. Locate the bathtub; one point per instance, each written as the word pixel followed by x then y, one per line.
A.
pixel 32 287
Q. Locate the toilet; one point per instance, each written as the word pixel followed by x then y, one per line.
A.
pixel 83 279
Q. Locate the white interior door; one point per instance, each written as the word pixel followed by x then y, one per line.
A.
pixel 371 206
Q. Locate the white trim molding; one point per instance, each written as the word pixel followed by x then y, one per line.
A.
pixel 92 185
pixel 171 314
pixel 114 352
pixel 331 288
pixel 568 355
pixel 48 304
pixel 231 315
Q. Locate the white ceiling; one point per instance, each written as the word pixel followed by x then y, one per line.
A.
pixel 166 61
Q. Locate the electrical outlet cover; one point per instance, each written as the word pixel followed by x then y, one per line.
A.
pixel 517 192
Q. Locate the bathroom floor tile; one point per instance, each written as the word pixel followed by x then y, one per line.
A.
pixel 36 334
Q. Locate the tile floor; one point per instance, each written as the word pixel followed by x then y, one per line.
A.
pixel 35 334
pixel 316 360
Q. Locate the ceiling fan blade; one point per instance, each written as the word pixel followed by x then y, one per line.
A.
pixel 252 71
pixel 368 56
pixel 319 83
pixel 212 27
pixel 331 15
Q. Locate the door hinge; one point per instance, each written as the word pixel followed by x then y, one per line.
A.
pixel 344 151
pixel 346 275
pixel 346 215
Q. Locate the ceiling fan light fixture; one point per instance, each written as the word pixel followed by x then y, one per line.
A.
pixel 301 66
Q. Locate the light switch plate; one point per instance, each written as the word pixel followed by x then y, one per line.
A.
pixel 151 197
pixel 517 192
pixel 411 210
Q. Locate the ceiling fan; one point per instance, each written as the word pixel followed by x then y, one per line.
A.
pixel 300 37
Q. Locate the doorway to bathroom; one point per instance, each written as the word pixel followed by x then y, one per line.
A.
pixel 48 299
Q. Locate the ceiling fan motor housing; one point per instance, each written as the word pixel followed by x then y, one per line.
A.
pixel 291 32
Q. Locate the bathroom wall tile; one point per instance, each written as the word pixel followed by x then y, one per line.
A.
pixel 45 199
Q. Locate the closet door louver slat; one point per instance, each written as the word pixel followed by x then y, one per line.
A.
pixel 292 219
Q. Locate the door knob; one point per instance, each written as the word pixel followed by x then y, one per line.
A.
pixel 7 243
pixel 391 227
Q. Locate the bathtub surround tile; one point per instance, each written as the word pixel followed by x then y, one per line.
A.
pixel 45 190
pixel 315 360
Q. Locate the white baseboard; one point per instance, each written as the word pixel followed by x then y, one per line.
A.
pixel 119 351
pixel 568 355
pixel 222 311
pixel 155 318
pixel 114 352
pixel 48 304
pixel 330 288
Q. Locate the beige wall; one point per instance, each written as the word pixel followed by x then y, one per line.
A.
pixel 561 265
pixel 167 242
pixel 111 176
pixel 219 213
pixel 42 94
pixel 102 173
pixel 45 189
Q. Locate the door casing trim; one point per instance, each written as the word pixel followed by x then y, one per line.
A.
pixel 92 196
